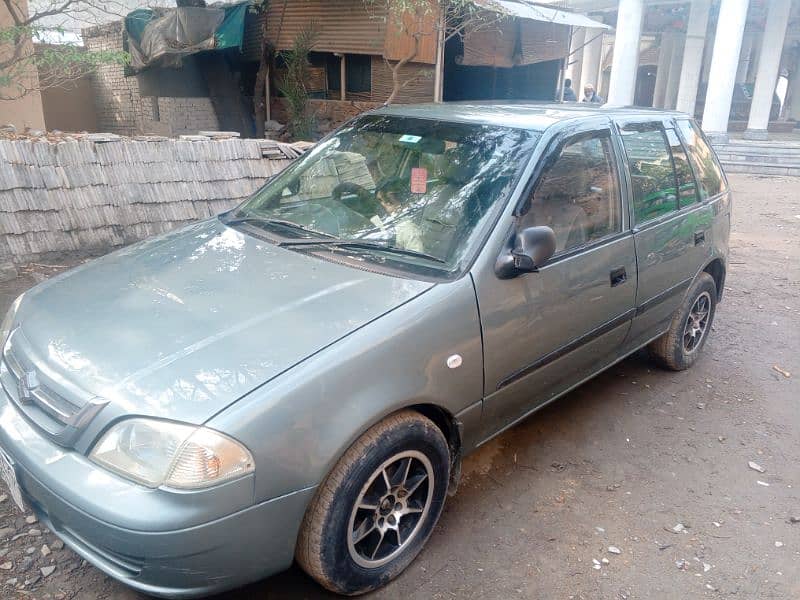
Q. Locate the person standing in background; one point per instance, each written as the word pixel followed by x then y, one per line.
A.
pixel 569 93
pixel 589 95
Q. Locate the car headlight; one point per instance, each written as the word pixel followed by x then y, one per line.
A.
pixel 156 453
pixel 8 322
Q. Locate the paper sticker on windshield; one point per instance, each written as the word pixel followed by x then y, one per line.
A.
pixel 410 139
pixel 419 180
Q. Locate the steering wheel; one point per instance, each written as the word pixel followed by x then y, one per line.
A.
pixel 365 203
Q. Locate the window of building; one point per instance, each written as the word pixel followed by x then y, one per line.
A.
pixel 578 196
pixel 687 188
pixel 358 73
pixel 709 173
pixel 652 174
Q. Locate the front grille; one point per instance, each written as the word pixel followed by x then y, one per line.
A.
pixel 53 404
pixel 60 417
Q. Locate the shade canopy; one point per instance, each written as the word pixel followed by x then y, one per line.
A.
pixel 536 12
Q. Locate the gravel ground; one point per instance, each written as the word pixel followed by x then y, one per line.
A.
pixel 651 463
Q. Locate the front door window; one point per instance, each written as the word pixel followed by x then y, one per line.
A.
pixel 578 195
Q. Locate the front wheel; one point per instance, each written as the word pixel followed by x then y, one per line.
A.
pixel 680 346
pixel 376 509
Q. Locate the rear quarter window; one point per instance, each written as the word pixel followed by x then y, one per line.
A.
pixel 704 162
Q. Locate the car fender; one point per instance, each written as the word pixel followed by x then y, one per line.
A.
pixel 427 351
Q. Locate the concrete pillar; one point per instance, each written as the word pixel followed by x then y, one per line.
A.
pixel 768 65
pixel 793 111
pixel 693 55
pixel 592 52
pixel 744 57
pixel 625 65
pixel 755 53
pixel 724 62
pixel 576 58
pixel 662 73
pixel 708 53
pixel 675 67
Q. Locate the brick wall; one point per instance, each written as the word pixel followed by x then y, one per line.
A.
pixel 122 110
pixel 86 197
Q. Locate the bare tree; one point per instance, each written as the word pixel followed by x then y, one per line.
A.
pixel 45 21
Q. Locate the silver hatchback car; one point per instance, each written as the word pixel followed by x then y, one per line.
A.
pixel 300 378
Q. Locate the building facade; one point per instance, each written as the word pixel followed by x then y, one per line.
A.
pixel 732 63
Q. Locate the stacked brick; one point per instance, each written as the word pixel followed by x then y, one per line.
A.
pixel 122 110
pixel 86 197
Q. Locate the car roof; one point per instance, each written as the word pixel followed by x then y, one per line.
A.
pixel 521 115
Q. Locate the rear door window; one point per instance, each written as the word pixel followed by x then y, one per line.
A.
pixel 709 173
pixel 652 174
pixel 687 188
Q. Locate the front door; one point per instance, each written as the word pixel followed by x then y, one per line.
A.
pixel 546 331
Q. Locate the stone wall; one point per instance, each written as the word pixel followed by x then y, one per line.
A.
pixel 87 196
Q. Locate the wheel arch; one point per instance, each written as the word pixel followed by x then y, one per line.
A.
pixel 451 429
pixel 716 268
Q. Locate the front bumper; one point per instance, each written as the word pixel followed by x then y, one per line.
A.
pixel 184 562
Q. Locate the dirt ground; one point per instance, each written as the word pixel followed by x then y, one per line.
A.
pixel 652 463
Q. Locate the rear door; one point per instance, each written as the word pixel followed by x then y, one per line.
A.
pixel 544 332
pixel 670 223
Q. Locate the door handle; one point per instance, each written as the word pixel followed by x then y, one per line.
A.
pixel 699 237
pixel 618 276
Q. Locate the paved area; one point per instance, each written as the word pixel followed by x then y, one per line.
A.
pixel 652 463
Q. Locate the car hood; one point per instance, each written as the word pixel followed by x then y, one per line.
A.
pixel 183 325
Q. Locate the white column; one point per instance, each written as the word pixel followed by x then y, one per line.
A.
pixel 625 65
pixel 675 67
pixel 576 58
pixel 693 55
pixel 768 64
pixel 744 57
pixel 592 53
pixel 662 73
pixel 793 111
pixel 752 66
pixel 724 62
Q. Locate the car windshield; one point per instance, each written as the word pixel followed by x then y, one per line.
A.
pixel 415 194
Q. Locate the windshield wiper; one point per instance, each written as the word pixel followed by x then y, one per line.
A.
pixel 280 222
pixel 364 244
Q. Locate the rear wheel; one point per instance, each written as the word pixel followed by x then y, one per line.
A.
pixel 376 509
pixel 679 348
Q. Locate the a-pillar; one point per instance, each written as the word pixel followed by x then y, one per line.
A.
pixel 625 65
pixel 576 58
pixel 662 71
pixel 693 55
pixel 724 63
pixel 673 80
pixel 592 52
pixel 768 64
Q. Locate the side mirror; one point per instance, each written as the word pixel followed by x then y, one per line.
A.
pixel 527 251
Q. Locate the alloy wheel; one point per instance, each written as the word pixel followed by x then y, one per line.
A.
pixel 697 322
pixel 390 509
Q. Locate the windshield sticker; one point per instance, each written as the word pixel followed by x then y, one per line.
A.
pixel 419 180
pixel 410 139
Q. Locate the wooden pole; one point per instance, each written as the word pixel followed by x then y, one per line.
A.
pixel 343 78
pixel 267 93
pixel 438 81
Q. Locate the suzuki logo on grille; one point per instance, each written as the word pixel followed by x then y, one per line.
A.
pixel 25 386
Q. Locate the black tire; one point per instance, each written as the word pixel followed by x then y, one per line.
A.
pixel 325 548
pixel 672 351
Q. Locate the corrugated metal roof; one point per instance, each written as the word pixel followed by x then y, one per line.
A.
pixel 350 27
